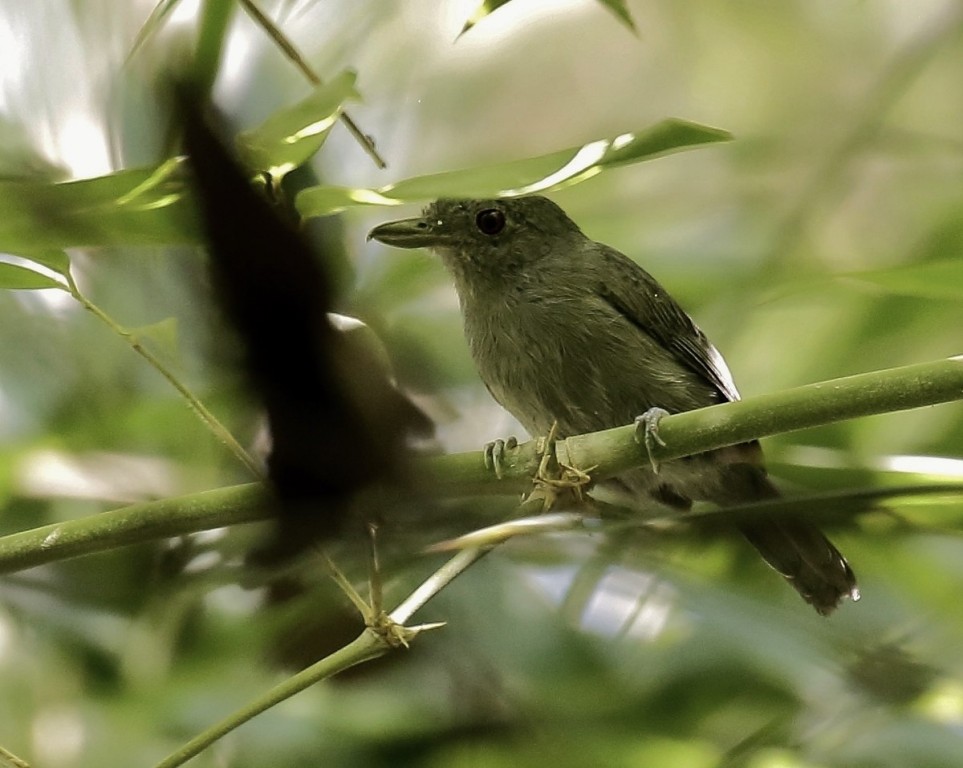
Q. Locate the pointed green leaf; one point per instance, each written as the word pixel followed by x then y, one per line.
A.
pixel 20 278
pixel 520 177
pixel 53 259
pixel 487 7
pixel 291 136
pixel 621 11
pixel 929 280
pixel 150 206
pixel 484 8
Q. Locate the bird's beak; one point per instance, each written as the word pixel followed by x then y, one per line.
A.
pixel 408 233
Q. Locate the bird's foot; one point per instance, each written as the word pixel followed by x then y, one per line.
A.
pixel 553 478
pixel 647 433
pixel 495 455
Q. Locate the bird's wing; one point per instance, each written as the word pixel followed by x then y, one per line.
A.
pixel 636 295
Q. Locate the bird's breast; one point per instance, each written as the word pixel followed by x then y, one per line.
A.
pixel 571 358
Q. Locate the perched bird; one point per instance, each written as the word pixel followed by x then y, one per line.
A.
pixel 568 331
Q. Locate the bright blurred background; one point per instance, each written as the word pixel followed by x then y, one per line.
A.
pixel 824 240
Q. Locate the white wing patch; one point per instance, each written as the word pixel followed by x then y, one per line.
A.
pixel 718 364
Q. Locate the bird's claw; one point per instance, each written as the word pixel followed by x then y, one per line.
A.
pixel 495 455
pixel 647 433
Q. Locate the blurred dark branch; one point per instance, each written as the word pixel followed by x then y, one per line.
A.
pixel 464 474
pixel 337 424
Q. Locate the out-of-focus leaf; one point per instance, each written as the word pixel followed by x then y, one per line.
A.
pixel 162 333
pixel 148 206
pixel 291 136
pixel 10 760
pixel 621 11
pixel 930 280
pixel 21 158
pixel 484 8
pixel 521 177
pixel 891 673
pixel 53 259
pixel 13 276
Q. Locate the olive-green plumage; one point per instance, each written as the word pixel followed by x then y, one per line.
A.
pixel 570 331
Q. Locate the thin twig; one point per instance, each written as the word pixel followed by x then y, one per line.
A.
pixel 384 635
pixel 210 420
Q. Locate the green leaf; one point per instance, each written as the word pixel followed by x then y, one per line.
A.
pixel 291 136
pixel 520 177
pixel 149 206
pixel 484 8
pixel 53 259
pixel 621 11
pixel 929 280
pixel 20 278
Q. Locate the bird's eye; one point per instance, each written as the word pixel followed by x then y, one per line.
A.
pixel 491 221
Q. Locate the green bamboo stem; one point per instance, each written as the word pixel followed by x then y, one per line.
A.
pixel 812 405
pixel 133 524
pixel 615 450
pixel 388 633
pixel 609 452
pixel 367 646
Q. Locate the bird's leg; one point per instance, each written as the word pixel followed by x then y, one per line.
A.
pixel 553 478
pixel 544 480
pixel 647 432
pixel 495 454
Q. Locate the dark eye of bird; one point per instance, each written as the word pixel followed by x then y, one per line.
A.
pixel 491 221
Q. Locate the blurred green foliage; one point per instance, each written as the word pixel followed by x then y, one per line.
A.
pixel 824 240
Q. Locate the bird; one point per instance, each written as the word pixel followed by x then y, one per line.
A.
pixel 571 334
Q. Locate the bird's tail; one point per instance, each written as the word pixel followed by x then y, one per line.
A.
pixel 806 559
pixel 795 548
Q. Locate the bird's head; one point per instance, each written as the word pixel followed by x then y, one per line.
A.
pixel 484 240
